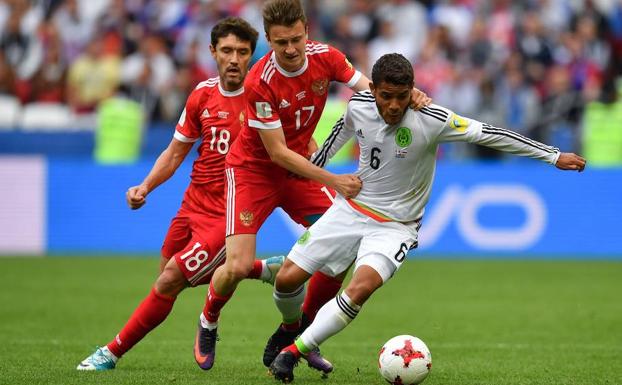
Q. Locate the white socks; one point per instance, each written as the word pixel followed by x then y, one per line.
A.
pixel 333 317
pixel 290 304
pixel 206 324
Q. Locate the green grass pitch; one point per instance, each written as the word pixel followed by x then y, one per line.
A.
pixel 486 322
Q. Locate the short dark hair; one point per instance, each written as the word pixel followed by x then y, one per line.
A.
pixel 235 26
pixel 283 12
pixel 393 68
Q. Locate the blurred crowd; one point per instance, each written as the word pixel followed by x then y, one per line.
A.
pixel 530 66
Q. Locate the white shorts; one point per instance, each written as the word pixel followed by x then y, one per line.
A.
pixel 343 235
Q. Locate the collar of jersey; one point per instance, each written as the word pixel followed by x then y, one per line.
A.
pixel 230 94
pixel 287 73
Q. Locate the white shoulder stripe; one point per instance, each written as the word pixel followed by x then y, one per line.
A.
pixel 269 75
pixel 208 83
pixel 316 45
pixel 311 53
pixel 266 69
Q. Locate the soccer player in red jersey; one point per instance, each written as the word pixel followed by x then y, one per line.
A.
pixel 285 94
pixel 195 243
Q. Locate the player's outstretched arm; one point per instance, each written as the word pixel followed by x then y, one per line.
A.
pixel 276 146
pixel 570 161
pixel 165 166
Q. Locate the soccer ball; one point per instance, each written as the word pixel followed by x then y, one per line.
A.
pixel 404 360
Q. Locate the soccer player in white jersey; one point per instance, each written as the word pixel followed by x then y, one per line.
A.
pixel 376 229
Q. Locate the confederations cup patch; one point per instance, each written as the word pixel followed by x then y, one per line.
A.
pixel 320 86
pixel 246 217
pixel 403 137
pixel 459 123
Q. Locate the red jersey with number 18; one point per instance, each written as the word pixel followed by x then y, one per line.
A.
pixel 292 100
pixel 213 115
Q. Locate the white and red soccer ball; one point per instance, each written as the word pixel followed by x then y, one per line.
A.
pixel 404 360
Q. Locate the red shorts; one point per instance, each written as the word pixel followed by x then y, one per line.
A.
pixel 196 236
pixel 252 195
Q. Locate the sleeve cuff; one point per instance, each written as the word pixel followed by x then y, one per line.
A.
pixel 183 138
pixel 355 78
pixel 264 125
pixel 555 157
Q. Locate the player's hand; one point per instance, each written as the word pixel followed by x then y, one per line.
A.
pixel 419 99
pixel 570 161
pixel 136 196
pixel 311 148
pixel 347 185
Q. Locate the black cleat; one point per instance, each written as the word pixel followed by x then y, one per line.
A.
pixel 205 347
pixel 279 340
pixel 282 367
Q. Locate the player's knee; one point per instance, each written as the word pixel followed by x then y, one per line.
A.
pixel 285 283
pixel 238 269
pixel 170 282
pixel 359 292
pixel 289 278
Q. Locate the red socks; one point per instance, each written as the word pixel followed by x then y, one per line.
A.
pixel 214 303
pixel 256 272
pixel 150 313
pixel 294 349
pixel 321 289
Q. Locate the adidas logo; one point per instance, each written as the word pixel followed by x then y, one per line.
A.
pixel 205 113
pixel 284 104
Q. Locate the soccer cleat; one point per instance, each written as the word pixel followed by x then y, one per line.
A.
pixel 317 362
pixel 205 347
pixel 101 359
pixel 282 368
pixel 314 358
pixel 277 342
pixel 273 265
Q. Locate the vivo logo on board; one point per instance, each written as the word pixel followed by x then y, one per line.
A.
pixel 463 205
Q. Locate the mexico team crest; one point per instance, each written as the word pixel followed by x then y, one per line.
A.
pixel 304 238
pixel 320 86
pixel 246 217
pixel 403 137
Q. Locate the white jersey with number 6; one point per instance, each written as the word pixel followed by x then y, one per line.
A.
pixel 397 162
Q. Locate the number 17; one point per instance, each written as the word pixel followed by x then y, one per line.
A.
pixel 298 113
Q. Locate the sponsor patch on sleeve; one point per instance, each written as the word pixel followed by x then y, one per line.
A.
pixel 459 123
pixel 263 110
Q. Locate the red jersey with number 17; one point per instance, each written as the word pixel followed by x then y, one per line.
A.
pixel 292 100
pixel 214 116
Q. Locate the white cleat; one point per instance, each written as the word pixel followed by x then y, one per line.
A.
pixel 272 266
pixel 101 359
